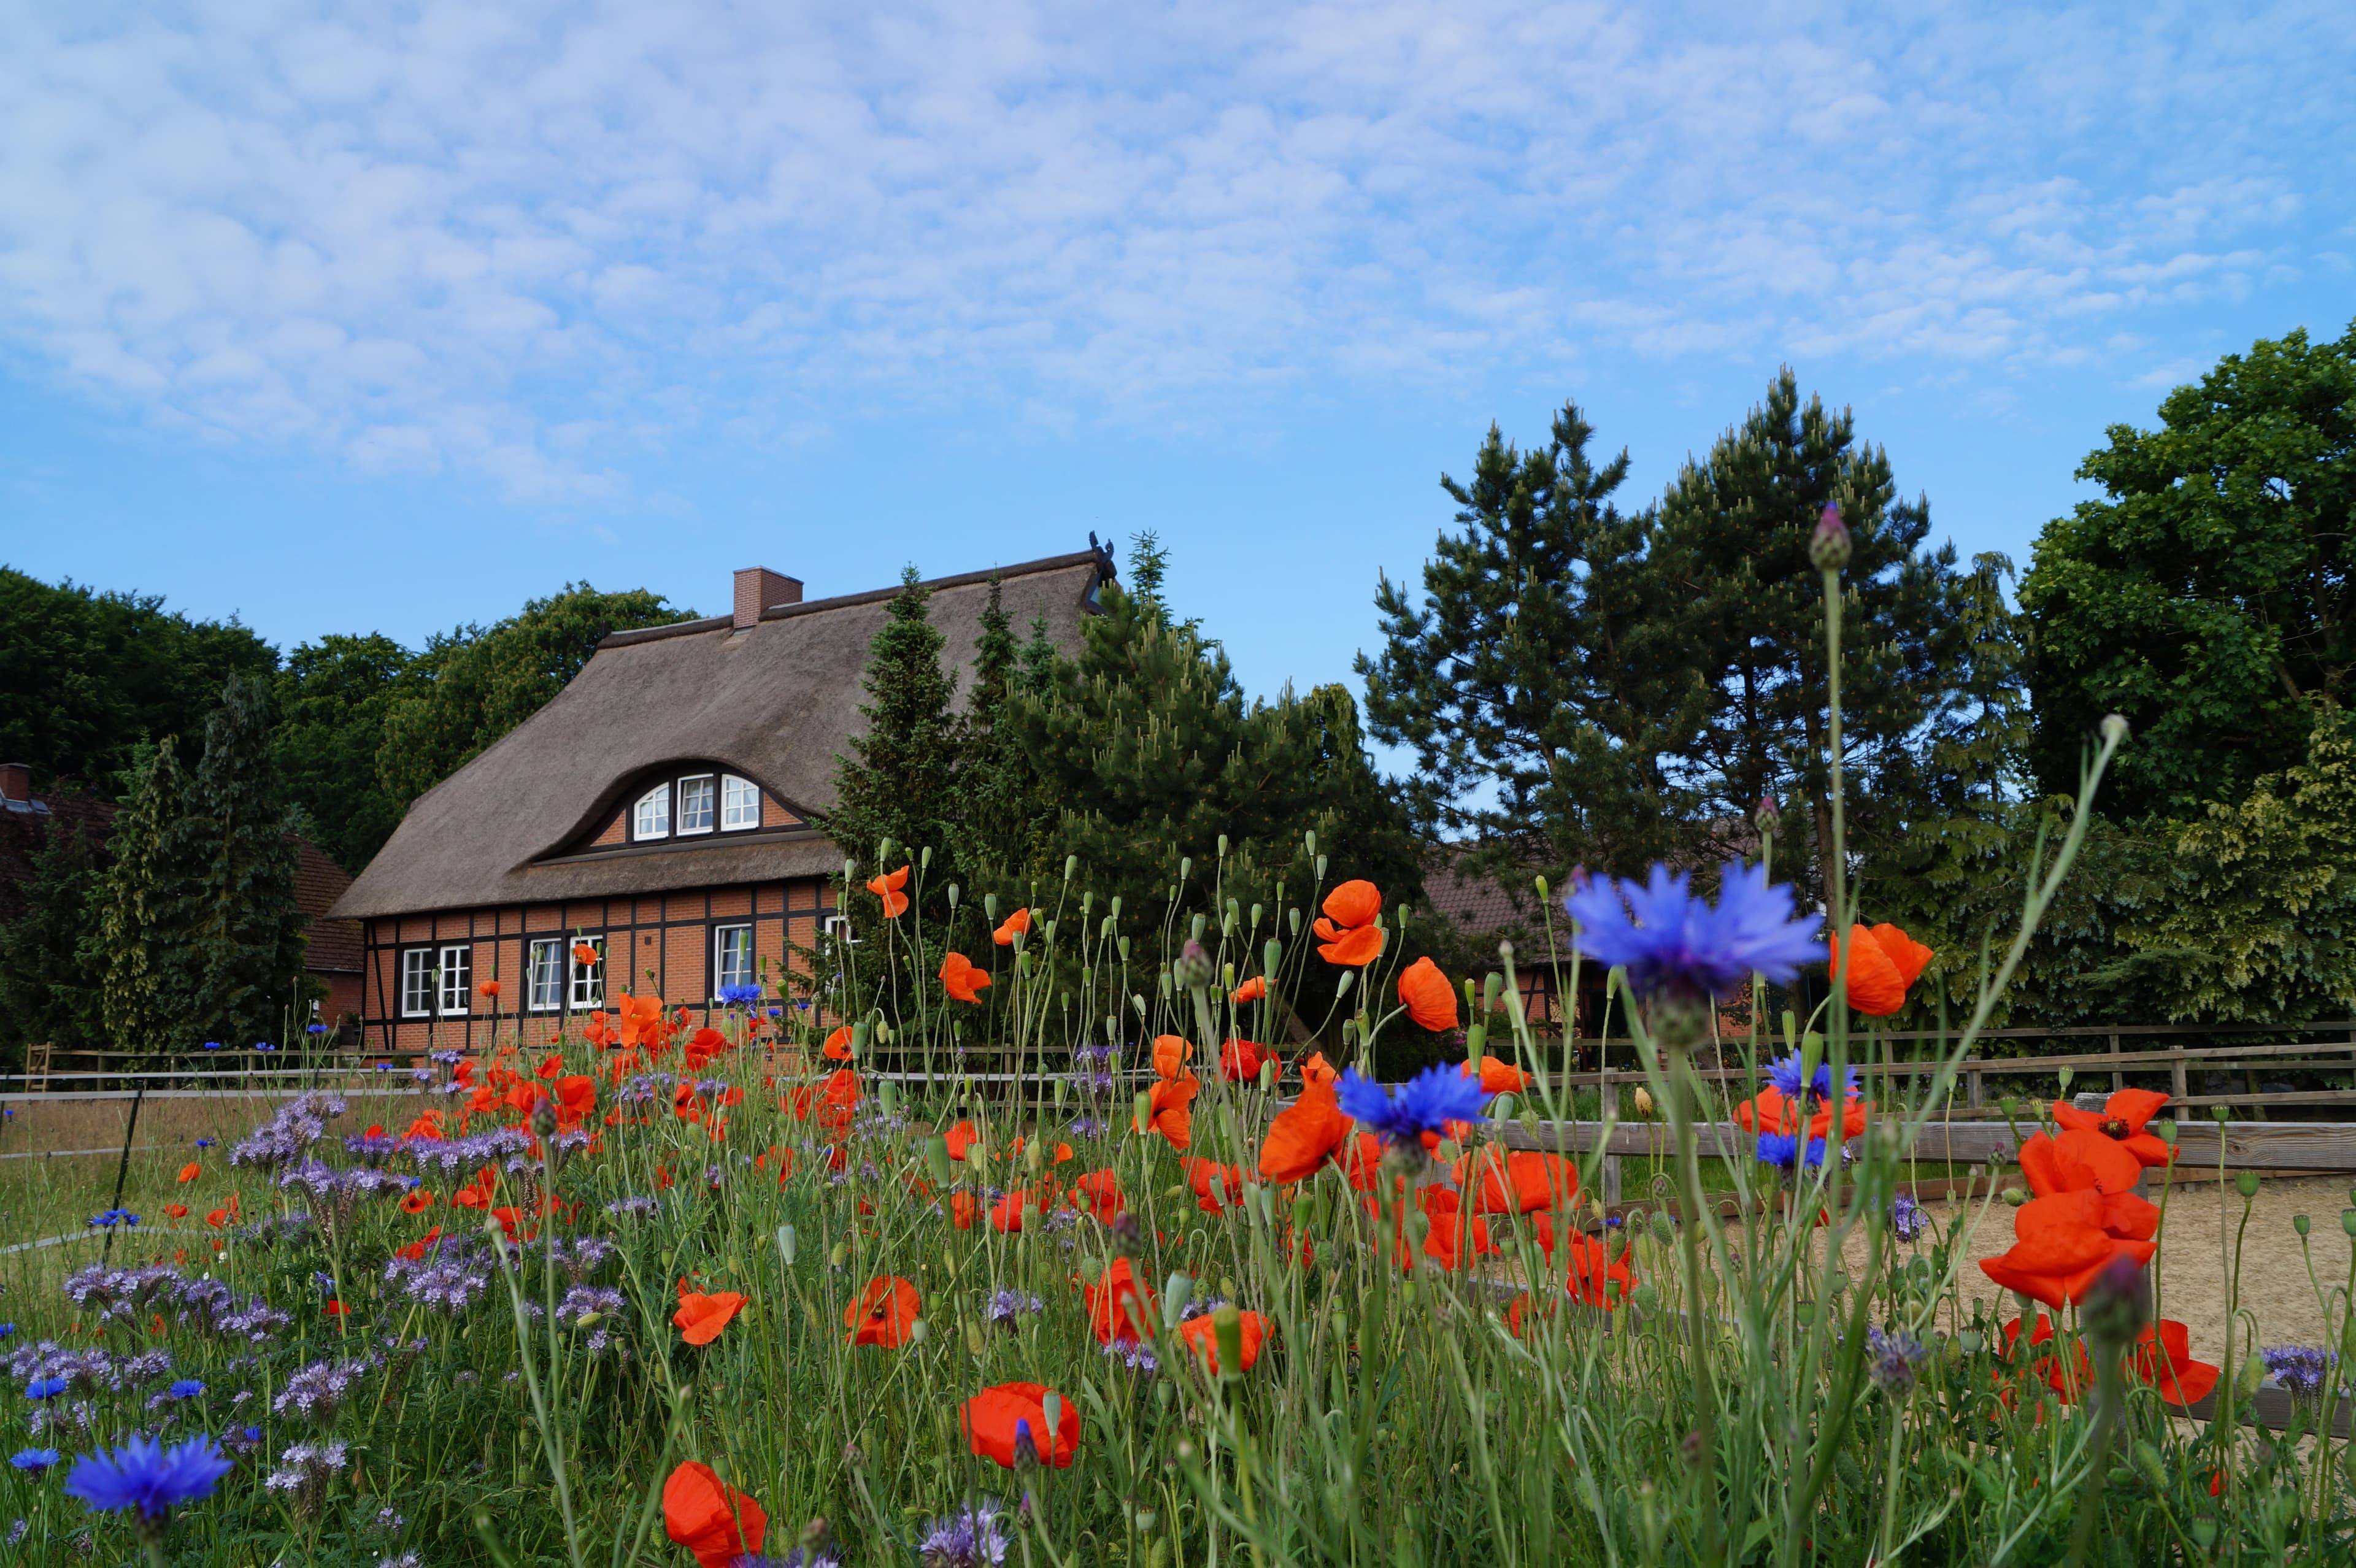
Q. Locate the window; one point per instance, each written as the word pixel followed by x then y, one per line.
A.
pixel 732 957
pixel 544 979
pixel 838 928
pixel 457 976
pixel 695 804
pixel 740 804
pixel 652 818
pixel 589 979
pixel 417 983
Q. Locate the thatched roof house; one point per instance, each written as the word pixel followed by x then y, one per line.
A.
pixel 663 799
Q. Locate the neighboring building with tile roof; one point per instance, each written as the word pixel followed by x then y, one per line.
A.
pixel 659 811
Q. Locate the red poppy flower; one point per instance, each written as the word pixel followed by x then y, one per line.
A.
pixel 1770 1112
pixel 576 1100
pixel 1317 1070
pixel 700 1318
pixel 1217 1187
pixel 478 1193
pixel 220 1219
pixel 1098 1193
pixel 1304 1135
pixel 510 1218
pixel 838 1045
pixel 1352 904
pixel 1516 1181
pixel 998 1418
pixel 1202 1334
pixel 1006 1214
pixel 1597 1278
pixel 1117 1303
pixel 961 979
pixel 177 1211
pixel 1171 1053
pixel 1882 963
pixel 1251 990
pixel 416 1249
pixel 1353 949
pixel 1239 1061
pixel 584 955
pixel 960 1138
pixel 487 989
pixel 2123 1119
pixel 1169 1110
pixel 1430 999
pixel 963 1211
pixel 1012 926
pixel 1498 1077
pixel 417 1201
pixel 2080 1161
pixel 2060 1247
pixel 711 1518
pixel 883 1313
pixel 887 888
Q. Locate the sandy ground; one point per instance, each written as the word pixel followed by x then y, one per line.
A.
pixel 2276 1288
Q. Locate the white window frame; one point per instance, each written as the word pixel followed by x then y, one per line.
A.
pixel 735 795
pixel 720 976
pixel 838 927
pixel 711 806
pixel 546 961
pixel 585 988
pixel 417 982
pixel 456 979
pixel 641 833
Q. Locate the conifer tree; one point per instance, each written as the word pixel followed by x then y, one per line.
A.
pixel 246 924
pixel 996 791
pixel 151 969
pixel 896 783
pixel 1731 540
pixel 1540 683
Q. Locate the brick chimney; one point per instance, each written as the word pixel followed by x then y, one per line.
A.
pixel 757 588
pixel 16 780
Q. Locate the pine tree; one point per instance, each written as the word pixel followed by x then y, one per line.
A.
pixel 247 925
pixel 897 784
pixel 1731 539
pixel 48 989
pixel 997 804
pixel 1539 683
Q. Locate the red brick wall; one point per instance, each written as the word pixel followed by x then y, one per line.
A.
pixel 661 941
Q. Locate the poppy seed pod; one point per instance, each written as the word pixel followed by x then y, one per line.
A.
pixel 2300 1222
pixel 1829 547
pixel 2348 1223
pixel 2246 1184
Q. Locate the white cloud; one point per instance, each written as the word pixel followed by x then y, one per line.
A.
pixel 521 241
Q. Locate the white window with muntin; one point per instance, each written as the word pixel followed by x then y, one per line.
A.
pixel 732 957
pixel 544 975
pixel 589 979
pixel 651 818
pixel 457 979
pixel 696 801
pixel 740 804
pixel 417 983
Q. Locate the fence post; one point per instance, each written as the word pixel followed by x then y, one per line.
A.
pixel 1975 1084
pixel 2176 1078
pixel 2118 1079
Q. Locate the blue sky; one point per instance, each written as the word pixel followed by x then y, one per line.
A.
pixel 388 317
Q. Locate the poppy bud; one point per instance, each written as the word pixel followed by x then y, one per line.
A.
pixel 1267 1076
pixel 1223 845
pixel 2114 729
pixel 1542 890
pixel 1228 1328
pixel 787 1238
pixel 953 895
pixel 989 907
pixel 1125 1233
pixel 918 1331
pixel 1321 867
pixel 925 859
pixel 1185 866
pixel 1193 969
pixel 1144 1110
pixel 1828 547
pixel 1071 867
pixel 884 848
pixel 1176 1291
pixel 543 1120
pixel 1341 986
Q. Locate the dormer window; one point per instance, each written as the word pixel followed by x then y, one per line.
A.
pixel 695 803
pixel 740 804
pixel 651 819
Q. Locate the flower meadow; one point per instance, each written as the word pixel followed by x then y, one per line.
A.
pixel 816 1278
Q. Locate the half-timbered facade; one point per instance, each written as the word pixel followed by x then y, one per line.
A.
pixel 657 815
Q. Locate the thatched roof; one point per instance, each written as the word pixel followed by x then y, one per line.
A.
pixel 776 702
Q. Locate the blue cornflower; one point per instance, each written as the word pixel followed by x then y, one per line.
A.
pixel 1783 1153
pixel 213 1045
pixel 970 1538
pixel 738 996
pixel 144 1475
pixel 204 1142
pixel 7 1330
pixel 114 1217
pixel 46 1388
pixel 315 1028
pixel 186 1388
pixel 264 1045
pixel 1784 1075
pixel 1426 1103
pixel 1672 941
pixel 1891 1360
pixel 35 1459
